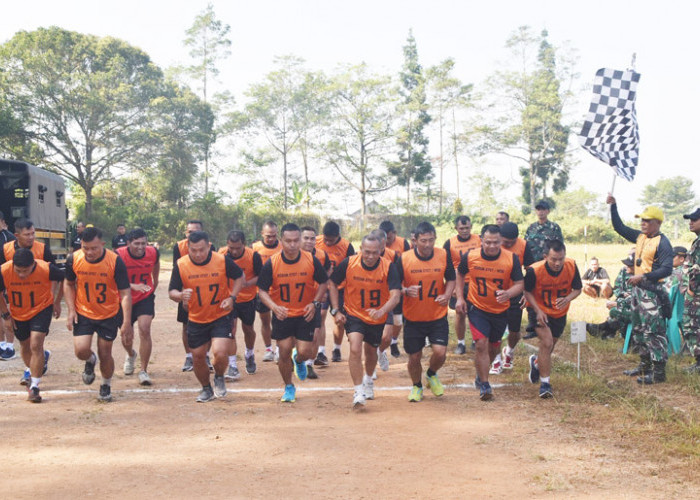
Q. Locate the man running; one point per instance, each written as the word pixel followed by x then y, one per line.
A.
pixel 495 278
pixel 32 286
pixel 285 286
pixel 143 266
pixel 266 248
pixel 550 286
pixel 399 245
pixel 200 279
pixel 120 239
pixel 98 297
pixel 372 290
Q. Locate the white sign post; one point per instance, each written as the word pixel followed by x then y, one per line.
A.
pixel 578 335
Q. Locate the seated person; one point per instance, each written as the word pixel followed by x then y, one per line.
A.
pixel 679 255
pixel 596 282
pixel 621 308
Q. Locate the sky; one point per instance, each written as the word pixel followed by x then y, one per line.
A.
pixel 327 33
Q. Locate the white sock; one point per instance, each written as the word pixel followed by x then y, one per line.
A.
pixel 35 382
pixel 367 379
pixel 248 353
pixel 509 350
pixel 309 362
pixel 3 345
pixel 394 341
pixel 107 381
pixel 322 349
pixel 359 389
pixel 336 346
pixel 544 380
pixel 188 355
pixel 232 360
pixel 460 342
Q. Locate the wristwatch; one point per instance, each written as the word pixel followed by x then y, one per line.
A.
pixel 6 315
pixel 333 311
pixel 317 304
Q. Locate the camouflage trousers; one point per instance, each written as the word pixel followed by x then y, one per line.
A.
pixel 690 326
pixel 648 325
pixel 622 311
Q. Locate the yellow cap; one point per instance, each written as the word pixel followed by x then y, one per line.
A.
pixel 651 213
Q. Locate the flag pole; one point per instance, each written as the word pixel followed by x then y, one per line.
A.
pixel 612 189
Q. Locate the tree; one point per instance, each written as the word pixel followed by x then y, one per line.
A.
pixel 674 195
pixel 208 41
pixel 360 130
pixel 84 101
pixel 413 164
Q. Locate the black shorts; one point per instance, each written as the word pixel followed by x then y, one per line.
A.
pixel 415 332
pixel 372 333
pixel 199 334
pixel 145 307
pixel 341 300
pixel 453 299
pixel 105 328
pixel 556 325
pixel 181 314
pixel 296 327
pixel 260 307
pixel 515 316
pixel 245 311
pixel 317 319
pixel 38 323
pixel 485 324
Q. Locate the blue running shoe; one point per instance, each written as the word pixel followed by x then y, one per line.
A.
pixel 26 378
pixel 299 368
pixel 534 374
pixel 47 355
pixel 8 354
pixel 546 390
pixel 290 393
pixel 477 382
pixel 486 393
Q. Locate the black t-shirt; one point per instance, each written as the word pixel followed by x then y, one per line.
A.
pixel 119 240
pixel 600 274
pixel 6 236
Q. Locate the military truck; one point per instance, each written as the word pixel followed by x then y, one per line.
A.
pixel 39 195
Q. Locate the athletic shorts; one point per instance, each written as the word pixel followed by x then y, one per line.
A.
pixel 296 327
pixel 245 311
pixel 199 334
pixel 105 328
pixel 515 316
pixel 145 307
pixel 341 300
pixel 453 299
pixel 415 332
pixel 372 333
pixel 487 325
pixel 181 313
pixel 38 323
pixel 556 325
pixel 317 319
pixel 260 307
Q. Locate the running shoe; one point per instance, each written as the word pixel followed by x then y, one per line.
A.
pixel 299 368
pixel 33 395
pixel 47 355
pixel 461 349
pixel 435 385
pixel 89 370
pixel 336 358
pixel 219 386
pixel 359 400
pixel 321 359
pixel 383 361
pixel 485 393
pixel 507 360
pixel 8 354
pixel 374 374
pixel 250 366
pixel 269 355
pixel 416 394
pixel 368 388
pixel 534 374
pixel 129 364
pixel 232 373
pixel 310 372
pixel 187 367
pixel 105 393
pixel 26 378
pixel 290 393
pixel 277 355
pixel 206 395
pixel 395 350
pixel 496 367
pixel 144 379
pixel 546 390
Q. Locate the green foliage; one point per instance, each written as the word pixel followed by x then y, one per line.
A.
pixel 674 195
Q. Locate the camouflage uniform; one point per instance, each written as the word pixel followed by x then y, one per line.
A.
pixel 622 312
pixel 674 279
pixel 648 325
pixel 690 325
pixel 537 234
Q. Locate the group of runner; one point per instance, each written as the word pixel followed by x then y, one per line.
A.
pixel 293 278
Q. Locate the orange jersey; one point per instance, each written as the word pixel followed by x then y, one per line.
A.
pixel 37 249
pixel 398 245
pixel 96 289
pixel 30 295
pixel 210 286
pixel 183 247
pixel 366 289
pixel 430 275
pixel 488 276
pixel 293 285
pixel 518 249
pixel 336 253
pixel 549 288
pixel 389 255
pixel 266 252
pixel 245 262
pixel 459 248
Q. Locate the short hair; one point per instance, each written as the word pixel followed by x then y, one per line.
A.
pixel 424 227
pixel 307 228
pixel 556 245
pixel 510 230
pixel 370 237
pixel 23 257
pixel 23 223
pixel 289 227
pixel 2 215
pixel 236 236
pixel 387 226
pixel 331 228
pixel 91 233
pixel 121 225
pixel 379 234
pixel 196 221
pixel 136 233
pixel 269 223
pixel 491 229
pixel 462 219
pixel 197 236
pixel 506 214
pixel 594 258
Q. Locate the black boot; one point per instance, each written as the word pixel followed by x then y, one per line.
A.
pixel 656 376
pixel 693 368
pixel 642 368
pixel 592 329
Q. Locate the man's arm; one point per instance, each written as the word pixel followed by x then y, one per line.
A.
pixel 620 228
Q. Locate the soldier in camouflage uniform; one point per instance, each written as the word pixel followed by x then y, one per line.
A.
pixel 620 308
pixel 679 255
pixel 653 262
pixel 690 287
pixel 541 231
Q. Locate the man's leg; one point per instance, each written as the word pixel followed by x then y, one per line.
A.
pixel 690 328
pixel 590 291
pixel 220 349
pixel 284 364
pixel 320 340
pixel 460 330
pixel 415 369
pixel 35 346
pixel 145 342
pixel 355 339
pixel 606 291
pixel 266 332
pixel 338 333
pixel 199 364
pixel 104 353
pixel 482 359
pixel 544 356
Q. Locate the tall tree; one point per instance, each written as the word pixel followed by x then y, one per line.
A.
pixel 674 195
pixel 413 164
pixel 87 105
pixel 209 44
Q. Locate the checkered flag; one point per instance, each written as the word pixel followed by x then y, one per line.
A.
pixel 610 130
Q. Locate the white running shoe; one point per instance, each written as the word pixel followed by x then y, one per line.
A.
pixel 269 355
pixel 219 386
pixel 359 400
pixel 383 361
pixel 507 360
pixel 144 379
pixel 368 388
pixel 129 364
pixel 496 366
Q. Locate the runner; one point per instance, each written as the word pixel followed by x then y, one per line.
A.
pixel 32 286
pixel 143 266
pixel 495 277
pixel 284 287
pixel 266 248
pixel 121 239
pixel 372 290
pixel 398 245
pixel 550 286
pixel 428 278
pixel 98 298
pixel 200 279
